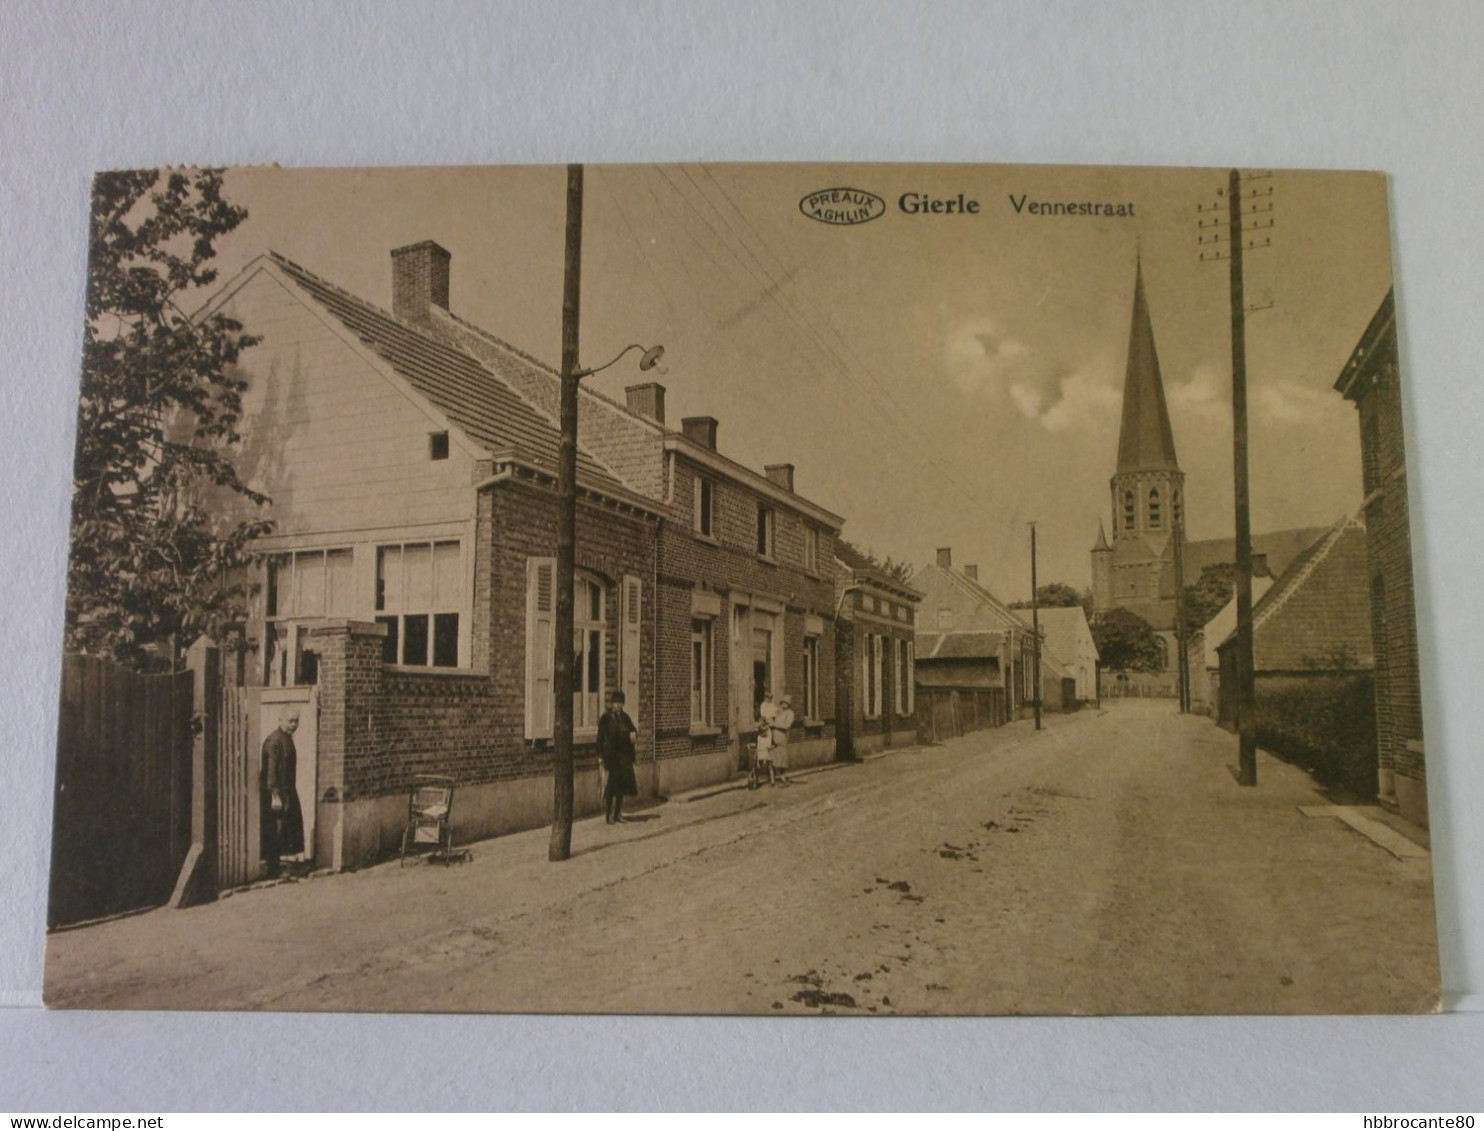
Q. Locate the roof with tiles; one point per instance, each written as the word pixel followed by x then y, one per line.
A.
pixel 958 645
pixel 469 393
pixel 1317 615
pixel 1063 628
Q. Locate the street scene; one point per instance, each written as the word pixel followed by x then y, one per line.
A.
pixel 1103 865
pixel 959 590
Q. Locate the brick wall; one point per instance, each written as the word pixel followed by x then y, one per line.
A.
pixel 1389 556
pixel 381 726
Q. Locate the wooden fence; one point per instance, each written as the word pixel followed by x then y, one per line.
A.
pixel 121 823
pixel 950 712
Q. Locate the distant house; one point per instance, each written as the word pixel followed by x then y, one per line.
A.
pixel 1371 380
pixel 408 591
pixel 1205 661
pixel 1068 640
pixel 875 657
pixel 968 640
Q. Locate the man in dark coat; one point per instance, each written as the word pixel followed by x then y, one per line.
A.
pixel 616 751
pixel 281 821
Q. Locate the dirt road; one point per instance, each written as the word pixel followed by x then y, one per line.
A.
pixel 1108 864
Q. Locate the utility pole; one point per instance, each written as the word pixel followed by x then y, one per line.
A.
pixel 1035 630
pixel 1246 691
pixel 563 789
pixel 1236 243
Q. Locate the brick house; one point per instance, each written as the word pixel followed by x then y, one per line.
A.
pixel 875 657
pixel 1371 380
pixel 967 637
pixel 744 584
pixel 408 589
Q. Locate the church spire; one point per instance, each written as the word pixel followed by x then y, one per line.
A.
pixel 1146 441
pixel 1102 542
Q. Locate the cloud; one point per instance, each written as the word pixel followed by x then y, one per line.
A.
pixel 1205 394
pixel 1039 384
pixel 1288 402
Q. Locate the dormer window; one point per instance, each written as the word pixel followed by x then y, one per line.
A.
pixel 437 445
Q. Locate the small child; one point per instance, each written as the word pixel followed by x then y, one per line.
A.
pixel 762 756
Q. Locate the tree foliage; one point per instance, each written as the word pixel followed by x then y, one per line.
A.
pixel 898 571
pixel 1057 595
pixel 1126 642
pixel 160 403
pixel 1209 595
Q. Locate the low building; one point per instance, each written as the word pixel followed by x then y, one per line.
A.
pixel 875 657
pixel 1313 661
pixel 1068 640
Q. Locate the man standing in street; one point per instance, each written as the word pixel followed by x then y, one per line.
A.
pixel 616 752
pixel 281 821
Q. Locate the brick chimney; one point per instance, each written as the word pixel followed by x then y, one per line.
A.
pixel 945 557
pixel 701 429
pixel 419 280
pixel 971 572
pixel 648 400
pixel 781 474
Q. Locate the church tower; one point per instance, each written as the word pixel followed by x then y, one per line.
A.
pixel 1138 572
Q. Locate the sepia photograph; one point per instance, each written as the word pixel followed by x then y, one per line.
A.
pixel 741 589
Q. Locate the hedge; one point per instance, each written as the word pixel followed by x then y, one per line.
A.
pixel 1324 723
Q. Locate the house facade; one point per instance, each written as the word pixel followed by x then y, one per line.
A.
pixel 407 596
pixel 875 657
pixel 1068 640
pixel 1371 381
pixel 967 638
pixel 743 584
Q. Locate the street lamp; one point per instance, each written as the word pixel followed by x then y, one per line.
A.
pixel 563 785
pixel 650 359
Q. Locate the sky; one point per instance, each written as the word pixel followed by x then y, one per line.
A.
pixel 941 380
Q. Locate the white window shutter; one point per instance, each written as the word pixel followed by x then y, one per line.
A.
pixel 540 626
pixel 631 618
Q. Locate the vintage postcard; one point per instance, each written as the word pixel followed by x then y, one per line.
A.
pixel 741 589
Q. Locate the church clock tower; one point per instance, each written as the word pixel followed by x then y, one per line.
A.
pixel 1138 571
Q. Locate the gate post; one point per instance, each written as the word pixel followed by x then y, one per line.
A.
pixel 197 880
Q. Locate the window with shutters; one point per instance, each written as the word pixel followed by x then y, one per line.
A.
pixel 631 613
pixel 589 635
pixel 871 665
pixel 419 596
pixel 1154 515
pixel 811 677
pixel 302 589
pixel 701 671
pixel 540 626
pixel 1128 510
pixel 904 677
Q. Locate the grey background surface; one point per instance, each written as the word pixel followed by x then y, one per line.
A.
pixel 1327 84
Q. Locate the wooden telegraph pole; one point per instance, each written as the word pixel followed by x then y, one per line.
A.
pixel 563 789
pixel 1246 691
